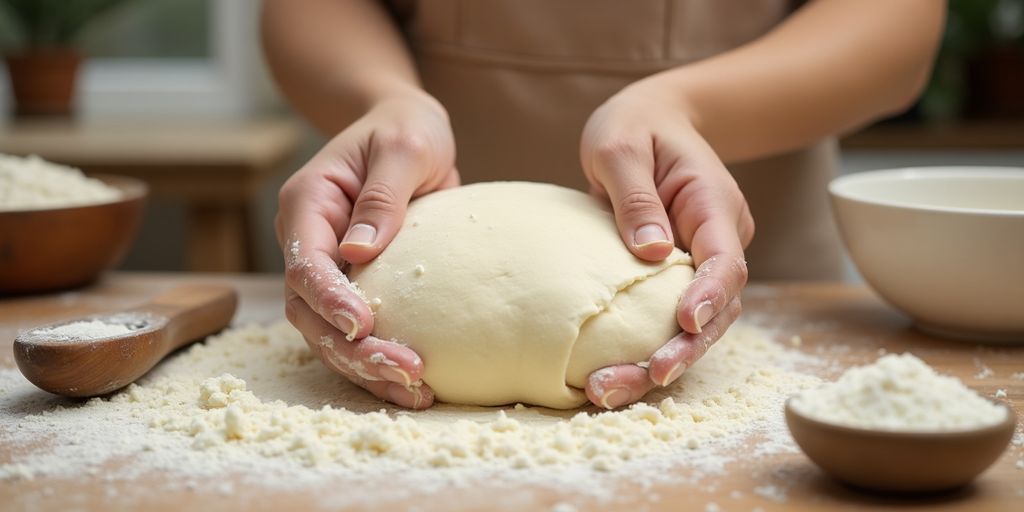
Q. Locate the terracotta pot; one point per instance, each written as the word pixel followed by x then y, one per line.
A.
pixel 43 80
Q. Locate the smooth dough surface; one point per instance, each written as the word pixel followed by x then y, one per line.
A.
pixel 515 292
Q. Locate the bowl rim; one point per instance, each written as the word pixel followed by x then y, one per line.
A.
pixel 838 186
pixel 1009 422
pixel 131 188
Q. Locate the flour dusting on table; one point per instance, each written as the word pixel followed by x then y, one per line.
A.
pixel 254 403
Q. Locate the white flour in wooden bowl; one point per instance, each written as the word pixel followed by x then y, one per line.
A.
pixel 255 404
pixel 81 330
pixel 89 329
pixel 31 183
pixel 900 393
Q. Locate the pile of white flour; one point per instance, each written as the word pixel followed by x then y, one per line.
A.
pixel 899 392
pixel 254 401
pixel 88 329
pixel 81 330
pixel 32 183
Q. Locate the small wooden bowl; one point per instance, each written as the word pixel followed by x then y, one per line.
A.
pixel 900 461
pixel 60 248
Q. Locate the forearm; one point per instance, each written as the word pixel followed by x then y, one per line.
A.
pixel 832 66
pixel 335 59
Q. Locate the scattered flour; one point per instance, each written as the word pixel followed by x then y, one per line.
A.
pixel 563 507
pixel 254 402
pixel 772 492
pixel 899 392
pixel 984 372
pixel 31 183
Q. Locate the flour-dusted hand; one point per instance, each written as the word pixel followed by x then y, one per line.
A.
pixel 345 205
pixel 665 183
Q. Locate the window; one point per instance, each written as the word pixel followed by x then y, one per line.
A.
pixel 151 29
pixel 168 58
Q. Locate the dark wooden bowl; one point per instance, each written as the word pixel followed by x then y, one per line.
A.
pixel 60 248
pixel 900 461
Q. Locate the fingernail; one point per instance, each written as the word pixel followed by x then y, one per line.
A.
pixel 677 370
pixel 360 234
pixel 649 234
pixel 702 315
pixel 393 374
pixel 342 321
pixel 615 398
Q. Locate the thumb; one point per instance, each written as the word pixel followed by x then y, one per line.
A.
pixel 380 208
pixel 639 213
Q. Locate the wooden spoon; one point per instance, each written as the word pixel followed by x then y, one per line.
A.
pixel 896 461
pixel 77 366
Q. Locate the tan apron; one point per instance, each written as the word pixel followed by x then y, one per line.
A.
pixel 519 79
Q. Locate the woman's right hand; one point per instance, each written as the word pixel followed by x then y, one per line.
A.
pixel 346 205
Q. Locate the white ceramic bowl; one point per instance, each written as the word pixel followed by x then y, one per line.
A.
pixel 943 244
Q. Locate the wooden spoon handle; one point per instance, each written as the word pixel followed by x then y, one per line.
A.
pixel 194 311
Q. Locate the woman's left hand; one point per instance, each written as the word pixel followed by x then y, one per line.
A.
pixel 641 151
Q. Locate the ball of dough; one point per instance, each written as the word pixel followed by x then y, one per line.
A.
pixel 515 292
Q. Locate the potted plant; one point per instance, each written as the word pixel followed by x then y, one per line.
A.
pixel 44 68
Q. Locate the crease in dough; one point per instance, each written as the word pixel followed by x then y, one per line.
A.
pixel 573 379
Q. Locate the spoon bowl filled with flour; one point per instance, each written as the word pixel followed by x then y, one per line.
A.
pixel 60 228
pixel 897 425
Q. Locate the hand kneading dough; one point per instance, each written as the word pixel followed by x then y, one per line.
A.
pixel 516 292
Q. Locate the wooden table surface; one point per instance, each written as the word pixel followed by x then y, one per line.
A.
pixel 842 322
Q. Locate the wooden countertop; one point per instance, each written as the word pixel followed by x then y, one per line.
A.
pixel 251 143
pixel 838 321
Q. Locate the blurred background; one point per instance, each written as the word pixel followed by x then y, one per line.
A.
pixel 175 92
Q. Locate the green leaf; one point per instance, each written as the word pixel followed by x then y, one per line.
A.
pixel 55 22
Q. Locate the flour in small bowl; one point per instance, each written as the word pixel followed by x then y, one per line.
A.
pixel 899 393
pixel 31 183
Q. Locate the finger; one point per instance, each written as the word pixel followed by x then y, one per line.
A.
pixel 397 167
pixel 745 226
pixel 370 358
pixel 418 396
pixel 452 179
pixel 388 370
pixel 625 172
pixel 376 359
pixel 720 276
pixel 673 358
pixel 615 386
pixel 312 273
